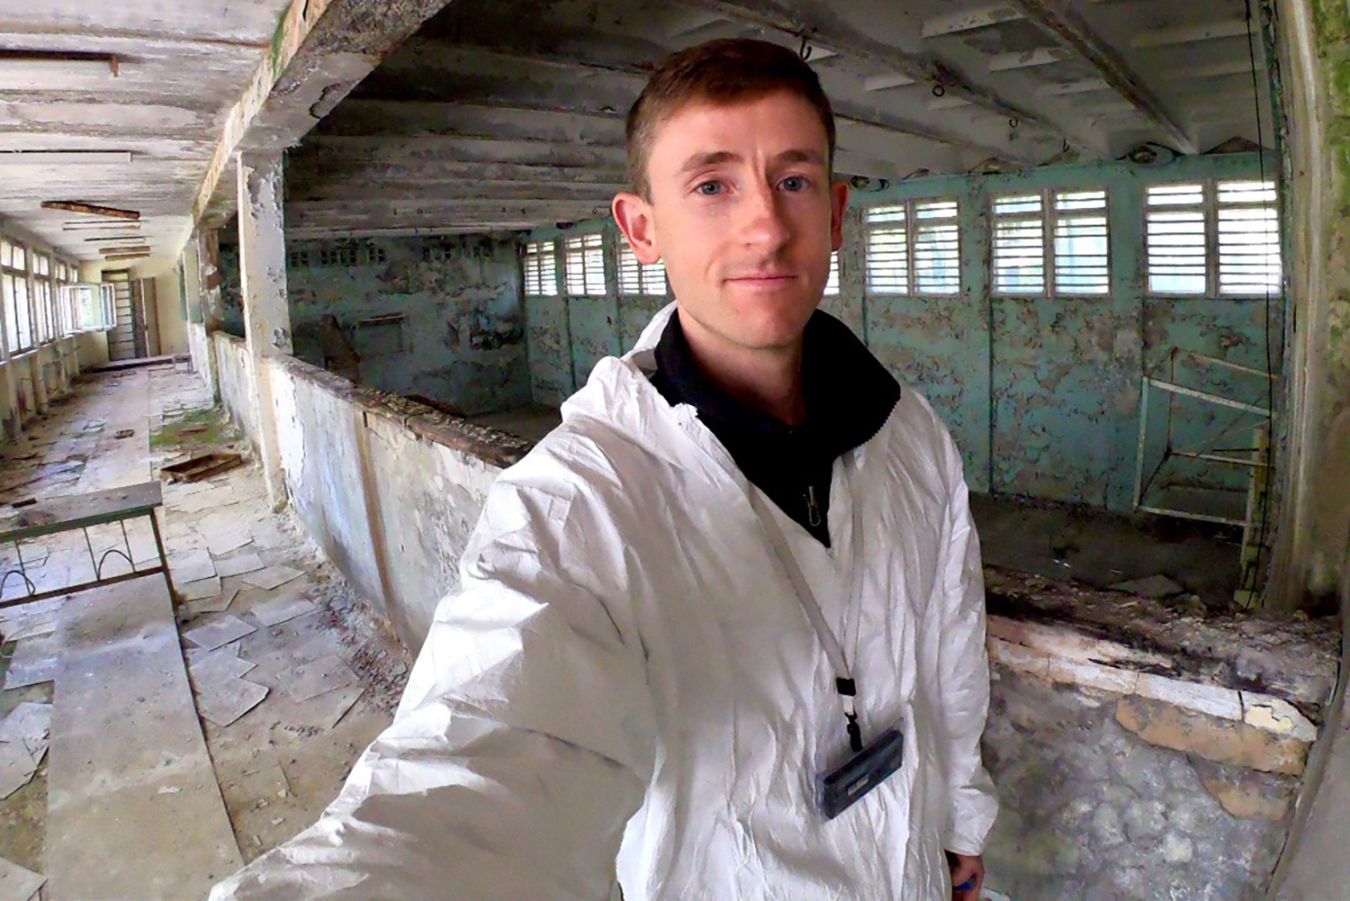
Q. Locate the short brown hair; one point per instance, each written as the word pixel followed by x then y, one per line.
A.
pixel 733 70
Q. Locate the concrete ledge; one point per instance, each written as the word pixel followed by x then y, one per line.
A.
pixel 487 444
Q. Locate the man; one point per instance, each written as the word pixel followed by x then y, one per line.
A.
pixel 721 634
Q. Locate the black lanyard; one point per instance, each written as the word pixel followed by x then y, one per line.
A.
pixel 843 678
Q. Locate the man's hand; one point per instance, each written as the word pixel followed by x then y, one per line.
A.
pixel 966 870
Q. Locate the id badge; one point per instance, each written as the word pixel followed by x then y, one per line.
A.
pixel 840 788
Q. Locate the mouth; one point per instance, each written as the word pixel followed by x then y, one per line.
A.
pixel 765 279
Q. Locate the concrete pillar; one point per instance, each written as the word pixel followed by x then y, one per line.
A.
pixel 267 317
pixel 205 307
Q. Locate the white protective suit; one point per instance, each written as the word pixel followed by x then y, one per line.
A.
pixel 627 689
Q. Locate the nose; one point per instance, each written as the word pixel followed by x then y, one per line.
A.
pixel 764 225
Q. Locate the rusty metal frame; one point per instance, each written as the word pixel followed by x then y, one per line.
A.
pixel 1174 389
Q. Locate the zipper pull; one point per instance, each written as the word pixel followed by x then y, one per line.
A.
pixel 812 508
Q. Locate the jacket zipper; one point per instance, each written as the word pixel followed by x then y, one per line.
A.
pixel 812 508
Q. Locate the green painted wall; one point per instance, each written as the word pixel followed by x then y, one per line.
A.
pixel 1041 394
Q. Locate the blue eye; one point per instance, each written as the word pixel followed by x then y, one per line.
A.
pixel 794 183
pixel 710 188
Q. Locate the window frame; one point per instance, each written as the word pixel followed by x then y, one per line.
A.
pixel 586 245
pixel 644 271
pixel 1209 207
pixel 535 249
pixel 1050 218
pixel 16 276
pixel 911 226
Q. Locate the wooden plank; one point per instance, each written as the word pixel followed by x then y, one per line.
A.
pixel 80 510
pixel 74 206
pixel 134 810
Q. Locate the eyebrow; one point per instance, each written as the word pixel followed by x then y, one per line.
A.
pixel 716 157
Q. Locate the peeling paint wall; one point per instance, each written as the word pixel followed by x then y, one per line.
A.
pixel 236 389
pixel 1041 394
pixel 389 489
pixel 439 317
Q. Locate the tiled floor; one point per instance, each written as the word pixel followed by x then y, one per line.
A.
pixel 282 760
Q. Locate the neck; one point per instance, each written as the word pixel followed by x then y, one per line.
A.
pixel 766 379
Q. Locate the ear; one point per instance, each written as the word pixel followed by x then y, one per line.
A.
pixel 634 216
pixel 838 203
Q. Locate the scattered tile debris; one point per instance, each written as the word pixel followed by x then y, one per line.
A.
pixel 201 589
pixel 124 433
pixel 34 661
pixel 17 883
pixel 24 736
pixel 282 609
pixel 225 701
pixel 192 566
pixel 309 680
pixel 217 666
pixel 217 603
pixel 244 563
pixel 272 576
pixel 222 630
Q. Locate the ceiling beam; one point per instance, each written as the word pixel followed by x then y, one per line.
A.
pixel 321 50
pixel 968 19
pixel 837 36
pixel 315 168
pixel 1058 20
pixel 450 149
pixel 845 111
pixel 434 190
pixel 431 231
pixel 1189 34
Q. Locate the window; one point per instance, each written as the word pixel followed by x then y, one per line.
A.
pixel 637 278
pixel 887 249
pixel 584 265
pixel 937 247
pixel 92 306
pixel 832 283
pixel 541 270
pixel 1082 258
pixel 914 248
pixel 1248 238
pixel 1019 244
pixel 1052 244
pixel 1174 235
pixel 42 297
pixel 14 291
pixel 1217 239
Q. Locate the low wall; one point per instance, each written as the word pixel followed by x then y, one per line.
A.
pixel 1138 752
pixel 234 383
pixel 389 489
pixel 30 381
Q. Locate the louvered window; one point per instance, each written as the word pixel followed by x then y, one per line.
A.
pixel 585 265
pixel 1081 258
pixel 888 250
pixel 937 247
pixel 1019 244
pixel 1174 229
pixel 832 283
pixel 638 278
pixel 541 276
pixel 1248 238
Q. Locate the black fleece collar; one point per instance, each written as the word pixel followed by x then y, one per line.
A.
pixel 849 397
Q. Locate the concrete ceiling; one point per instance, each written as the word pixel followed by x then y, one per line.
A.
pixel 180 67
pixel 477 124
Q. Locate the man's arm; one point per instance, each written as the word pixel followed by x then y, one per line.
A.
pixel 523 743
pixel 963 674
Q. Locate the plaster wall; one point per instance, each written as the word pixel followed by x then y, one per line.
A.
pixel 169 291
pixel 236 389
pixel 388 488
pixel 1042 394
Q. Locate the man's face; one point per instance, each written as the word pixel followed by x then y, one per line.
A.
pixel 744 215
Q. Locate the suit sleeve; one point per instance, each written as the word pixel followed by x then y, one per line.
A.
pixel 523 743
pixel 963 675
